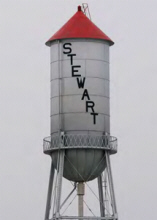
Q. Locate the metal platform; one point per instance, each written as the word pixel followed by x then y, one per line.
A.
pixel 69 141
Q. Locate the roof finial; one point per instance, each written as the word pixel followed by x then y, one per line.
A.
pixel 79 8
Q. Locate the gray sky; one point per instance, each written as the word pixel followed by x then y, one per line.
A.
pixel 24 102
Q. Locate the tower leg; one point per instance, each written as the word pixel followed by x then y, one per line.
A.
pixel 59 182
pixel 49 194
pixel 101 196
pixel 106 199
pixel 110 179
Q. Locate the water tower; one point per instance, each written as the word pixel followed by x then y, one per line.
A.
pixel 80 144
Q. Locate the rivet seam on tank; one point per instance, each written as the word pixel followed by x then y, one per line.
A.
pixel 80 80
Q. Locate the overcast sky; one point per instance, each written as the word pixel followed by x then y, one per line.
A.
pixel 25 93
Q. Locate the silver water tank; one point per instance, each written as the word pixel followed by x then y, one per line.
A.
pixel 80 99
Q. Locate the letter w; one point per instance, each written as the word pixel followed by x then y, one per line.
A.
pixel 81 82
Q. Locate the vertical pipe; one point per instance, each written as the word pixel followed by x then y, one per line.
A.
pixel 80 205
pixel 59 86
pixel 101 196
pixel 80 193
pixel 49 193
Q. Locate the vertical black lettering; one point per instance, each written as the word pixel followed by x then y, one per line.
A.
pixel 71 57
pixel 85 93
pixel 94 117
pixel 90 104
pixel 81 82
pixel 74 70
pixel 65 46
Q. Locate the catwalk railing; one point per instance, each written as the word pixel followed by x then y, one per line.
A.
pixel 84 218
pixel 68 141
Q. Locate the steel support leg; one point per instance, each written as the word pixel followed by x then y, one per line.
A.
pixel 59 182
pixel 101 196
pixel 110 179
pixel 106 201
pixel 49 194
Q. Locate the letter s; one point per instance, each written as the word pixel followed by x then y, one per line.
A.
pixel 65 46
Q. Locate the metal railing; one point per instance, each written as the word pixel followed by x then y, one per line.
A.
pixel 85 218
pixel 68 141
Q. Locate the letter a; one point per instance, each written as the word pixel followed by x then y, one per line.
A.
pixel 85 93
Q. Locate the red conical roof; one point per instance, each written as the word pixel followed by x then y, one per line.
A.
pixel 79 26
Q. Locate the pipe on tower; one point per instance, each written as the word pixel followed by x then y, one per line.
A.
pixel 80 193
